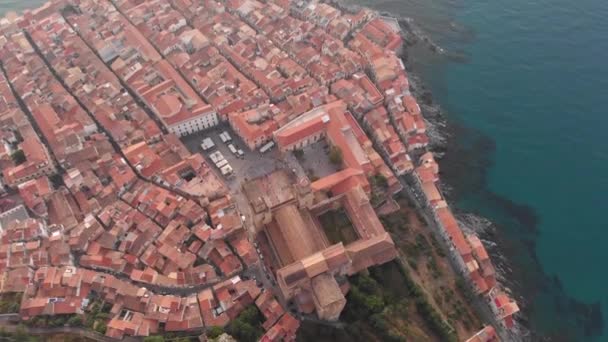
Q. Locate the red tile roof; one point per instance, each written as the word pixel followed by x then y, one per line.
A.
pixel 297 133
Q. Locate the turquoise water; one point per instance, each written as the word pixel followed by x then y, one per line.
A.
pixel 18 5
pixel 528 110
pixel 528 113
pixel 537 84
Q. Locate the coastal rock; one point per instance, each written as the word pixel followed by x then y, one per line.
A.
pixel 224 338
pixel 426 97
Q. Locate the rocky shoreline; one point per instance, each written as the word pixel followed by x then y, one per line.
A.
pixel 440 131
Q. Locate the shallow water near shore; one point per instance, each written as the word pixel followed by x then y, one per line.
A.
pixel 18 5
pixel 526 102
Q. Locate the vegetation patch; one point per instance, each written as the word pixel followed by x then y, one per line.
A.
pixel 425 257
pixel 169 338
pixel 97 314
pixel 428 313
pixel 338 227
pixel 214 332
pixel 20 335
pixel 247 326
pixel 379 186
pixel 10 302
pixel 55 321
pixel 335 155
pixel 18 157
pixel 396 223
pixel 386 305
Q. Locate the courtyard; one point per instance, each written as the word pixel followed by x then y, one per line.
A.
pixel 338 227
pixel 315 160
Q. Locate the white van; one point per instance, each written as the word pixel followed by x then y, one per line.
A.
pixel 207 144
pixel 216 156
pixel 223 137
pixel 226 170
pixel 267 147
pixel 232 148
pixel 227 136
pixel 221 163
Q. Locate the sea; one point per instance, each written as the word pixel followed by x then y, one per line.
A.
pixel 18 5
pixel 523 85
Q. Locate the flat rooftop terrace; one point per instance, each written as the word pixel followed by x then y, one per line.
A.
pixel 273 189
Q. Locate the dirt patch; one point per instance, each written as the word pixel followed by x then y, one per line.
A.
pixel 429 267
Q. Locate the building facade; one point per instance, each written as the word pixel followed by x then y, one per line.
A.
pixel 196 124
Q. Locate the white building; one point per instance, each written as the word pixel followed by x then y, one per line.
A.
pixel 182 116
pixel 194 124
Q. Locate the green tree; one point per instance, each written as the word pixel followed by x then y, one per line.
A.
pixel 56 180
pixel 101 327
pixel 14 307
pixel 374 303
pixel 20 330
pixel 75 321
pixel 7 307
pixel 247 333
pixel 378 322
pixel 18 157
pixel 21 334
pixel 89 321
pixel 380 180
pixel 214 332
pixel 250 315
pixel 154 339
pixel 102 315
pixel 246 327
pixel 38 322
pixel 367 284
pixel 401 308
pixel 335 155
pixel 57 321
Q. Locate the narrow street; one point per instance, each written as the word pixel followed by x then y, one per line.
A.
pixel 257 165
pixel 33 122
pixel 482 307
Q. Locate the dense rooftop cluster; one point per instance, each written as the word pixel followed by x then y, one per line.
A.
pixel 142 68
pixel 191 52
pixel 468 252
pixel 93 83
pixel 70 133
pixel 36 160
pixel 94 97
pixel 130 208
